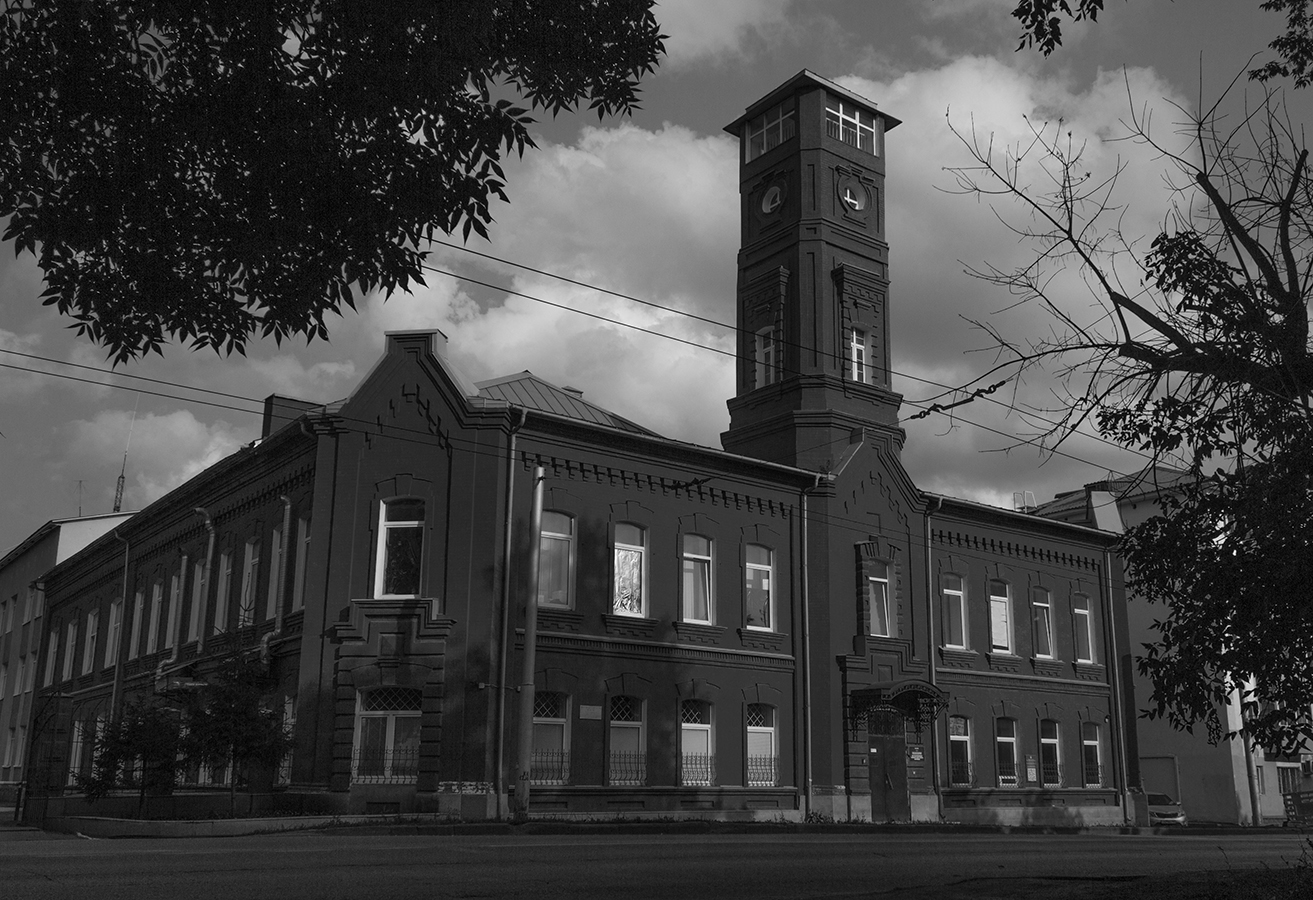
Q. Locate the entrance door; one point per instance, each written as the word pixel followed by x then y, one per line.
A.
pixel 889 800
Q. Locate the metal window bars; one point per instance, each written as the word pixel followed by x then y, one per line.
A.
pixel 1093 775
pixel 763 771
pixel 697 769
pixel 627 769
pixel 1050 773
pixel 1007 774
pixel 961 774
pixel 549 767
pixel 385 766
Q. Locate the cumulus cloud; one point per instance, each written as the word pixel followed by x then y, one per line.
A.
pixel 699 30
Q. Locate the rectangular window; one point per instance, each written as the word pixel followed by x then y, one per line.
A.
pixel 959 752
pixel 70 645
pixel 550 760
pixel 955 611
pixel 75 751
pixel 22 743
pixel 766 357
pixel 198 586
pixel 1000 617
pixel 387 736
pixel 156 607
pixel 134 636
pixel 223 592
pixel 250 578
pixel 275 564
pixel 1091 757
pixel 52 651
pixel 400 548
pixel 20 676
pixel 302 557
pixel 1050 753
pixel 89 643
pixel 629 597
pixel 28 604
pixel 113 633
pixel 9 748
pixel 763 753
pixel 1006 750
pixel 877 600
pixel 175 605
pixel 31 674
pixel 697 762
pixel 760 576
pixel 1041 613
pixel 556 561
pixel 858 370
pixel 1084 628
pixel 697 579
pixel 768 130
pixel 627 765
pixel 4 679
pixel 4 611
pixel 847 122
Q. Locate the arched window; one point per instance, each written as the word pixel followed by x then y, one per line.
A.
pixel 550 763
pixel 400 548
pixel 696 748
pixel 1005 738
pixel 763 746
pixel 628 748
pixel 1050 753
pixel 959 752
pixel 387 736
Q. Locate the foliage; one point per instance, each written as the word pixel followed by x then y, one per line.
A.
pixel 1197 353
pixel 212 170
pixel 1041 26
pixel 141 746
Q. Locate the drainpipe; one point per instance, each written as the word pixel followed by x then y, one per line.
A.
pixel 1114 671
pixel 266 642
pixel 806 661
pixel 498 773
pixel 524 745
pixel 116 694
pixel 935 782
pixel 204 611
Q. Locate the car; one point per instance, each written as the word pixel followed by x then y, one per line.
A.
pixel 1163 810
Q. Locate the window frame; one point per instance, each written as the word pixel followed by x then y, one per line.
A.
pixel 20 676
pixel 701 775
pixel 175 605
pixel 634 775
pixel 276 550
pixel 223 593
pixel 769 568
pixel 388 773
pixel 691 564
pixel 70 648
pixel 250 583
pixel 1009 741
pixel 766 362
pixel 1088 744
pixel 52 658
pixel 870 599
pixel 762 773
pixel 1001 601
pixel 963 740
pixel 385 527
pixel 550 765
pixel 302 558
pixel 89 642
pixel 954 599
pixel 1082 614
pixel 113 634
pixel 548 538
pixel 1050 745
pixel 1041 599
pixel 844 116
pixel 782 118
pixel 138 617
pixel 198 585
pixel 617 546
pixel 859 364
pixel 156 609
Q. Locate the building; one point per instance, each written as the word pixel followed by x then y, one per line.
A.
pixel 1211 781
pixel 780 628
pixel 21 615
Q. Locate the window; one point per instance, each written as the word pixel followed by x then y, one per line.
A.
pixel 1005 731
pixel 851 124
pixel 250 575
pixel 28 604
pixel 22 743
pixel 1050 753
pixel 156 603
pixel 400 548
pixel 40 607
pixel 9 748
pixel 89 644
pixel 1262 783
pixel 697 579
pixel 556 561
pixel 768 130
pixel 113 633
pixel 1288 778
pixel 70 644
pixel 4 679
pixel 134 636
pixel 284 775
pixel 628 750
pixel 4 613
pixel 387 736
pixel 763 755
pixel 20 676
pixel 31 674
pixel 76 749
pixel 275 565
pixel 955 611
pixel 766 357
pixel 224 589
pixel 1000 617
pixel 1091 758
pixel 52 650
pixel 697 763
pixel 198 586
pixel 877 600
pixel 550 760
pixel 302 555
pixel 858 369
pixel 175 605
pixel 1084 628
pixel 760 576
pixel 959 752
pixel 1041 614
pixel 630 598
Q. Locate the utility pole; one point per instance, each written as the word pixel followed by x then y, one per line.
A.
pixel 525 742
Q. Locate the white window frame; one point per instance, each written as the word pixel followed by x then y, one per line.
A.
pixel 1002 638
pixel 156 608
pixel 75 750
pixel 765 771
pixel 858 363
pixel 844 118
pixel 198 585
pixel 224 592
pixel 1050 745
pixel 877 594
pixel 28 604
pixel 766 357
pixel 619 547
pixel 175 605
pixel 1002 740
pixel 89 642
pixel 138 614
pixel 389 774
pixel 31 673
pixel 552 537
pixel 1041 617
pixel 9 748
pixel 545 768
pixel 113 633
pixel 960 740
pixel 775 126
pixel 765 572
pixel 302 558
pixel 699 775
pixel 1083 624
pixel 955 601
pixel 70 646
pixel 633 772
pixel 4 679
pixel 692 563
pixel 250 583
pixel 1088 744
pixel 52 654
pixel 275 564
pixel 20 676
pixel 22 743
pixel 380 558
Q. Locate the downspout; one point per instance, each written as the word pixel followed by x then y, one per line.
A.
pixel 204 611
pixel 116 694
pixel 498 773
pixel 267 641
pixel 1114 668
pixel 806 661
pixel 935 782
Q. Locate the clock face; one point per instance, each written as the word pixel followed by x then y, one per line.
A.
pixel 773 199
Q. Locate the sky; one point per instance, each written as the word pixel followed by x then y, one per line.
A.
pixel 647 206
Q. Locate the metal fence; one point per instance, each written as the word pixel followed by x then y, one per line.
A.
pixel 697 769
pixel 763 771
pixel 385 766
pixel 549 767
pixel 961 774
pixel 627 769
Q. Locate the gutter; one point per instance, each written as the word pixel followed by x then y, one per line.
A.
pixel 1110 628
pixel 935 784
pixel 498 773
pixel 807 751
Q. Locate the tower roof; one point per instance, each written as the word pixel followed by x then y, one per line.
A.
pixel 807 78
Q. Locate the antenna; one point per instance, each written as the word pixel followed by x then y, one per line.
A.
pixel 118 488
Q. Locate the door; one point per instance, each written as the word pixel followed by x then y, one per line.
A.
pixel 888 756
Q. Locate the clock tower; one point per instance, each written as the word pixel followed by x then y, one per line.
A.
pixel 813 282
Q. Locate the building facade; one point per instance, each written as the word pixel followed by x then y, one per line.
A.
pixel 780 628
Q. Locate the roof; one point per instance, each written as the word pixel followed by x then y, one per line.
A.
pixel 1148 481
pixel 528 390
pixel 52 526
pixel 807 77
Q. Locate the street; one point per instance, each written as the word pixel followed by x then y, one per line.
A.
pixel 760 866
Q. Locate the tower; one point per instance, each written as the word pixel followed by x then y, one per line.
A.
pixel 813 276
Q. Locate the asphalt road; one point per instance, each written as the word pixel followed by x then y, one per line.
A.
pixel 633 867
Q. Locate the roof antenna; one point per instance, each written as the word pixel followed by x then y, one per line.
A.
pixel 118 489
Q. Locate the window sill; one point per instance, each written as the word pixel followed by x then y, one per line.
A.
pixel 756 639
pixel 629 626
pixel 1088 671
pixel 699 632
pixel 1049 668
pixel 552 618
pixel 958 657
pixel 1004 662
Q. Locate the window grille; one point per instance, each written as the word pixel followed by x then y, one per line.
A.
pixel 692 713
pixel 391 699
pixel 547 705
pixel 757 716
pixel 623 710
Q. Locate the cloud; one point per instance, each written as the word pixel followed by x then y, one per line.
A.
pixel 701 30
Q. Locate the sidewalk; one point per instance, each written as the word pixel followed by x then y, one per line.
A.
pixel 12 831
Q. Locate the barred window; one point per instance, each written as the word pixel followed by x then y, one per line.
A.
pixel 550 762
pixel 697 763
pixel 762 745
pixel 387 736
pixel 628 749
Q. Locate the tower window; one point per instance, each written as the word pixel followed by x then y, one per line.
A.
pixel 767 357
pixel 852 125
pixel 768 130
pixel 859 369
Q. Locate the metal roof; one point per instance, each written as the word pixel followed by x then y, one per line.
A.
pixel 528 390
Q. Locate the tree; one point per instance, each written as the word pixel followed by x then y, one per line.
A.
pixel 1198 353
pixel 140 747
pixel 208 171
